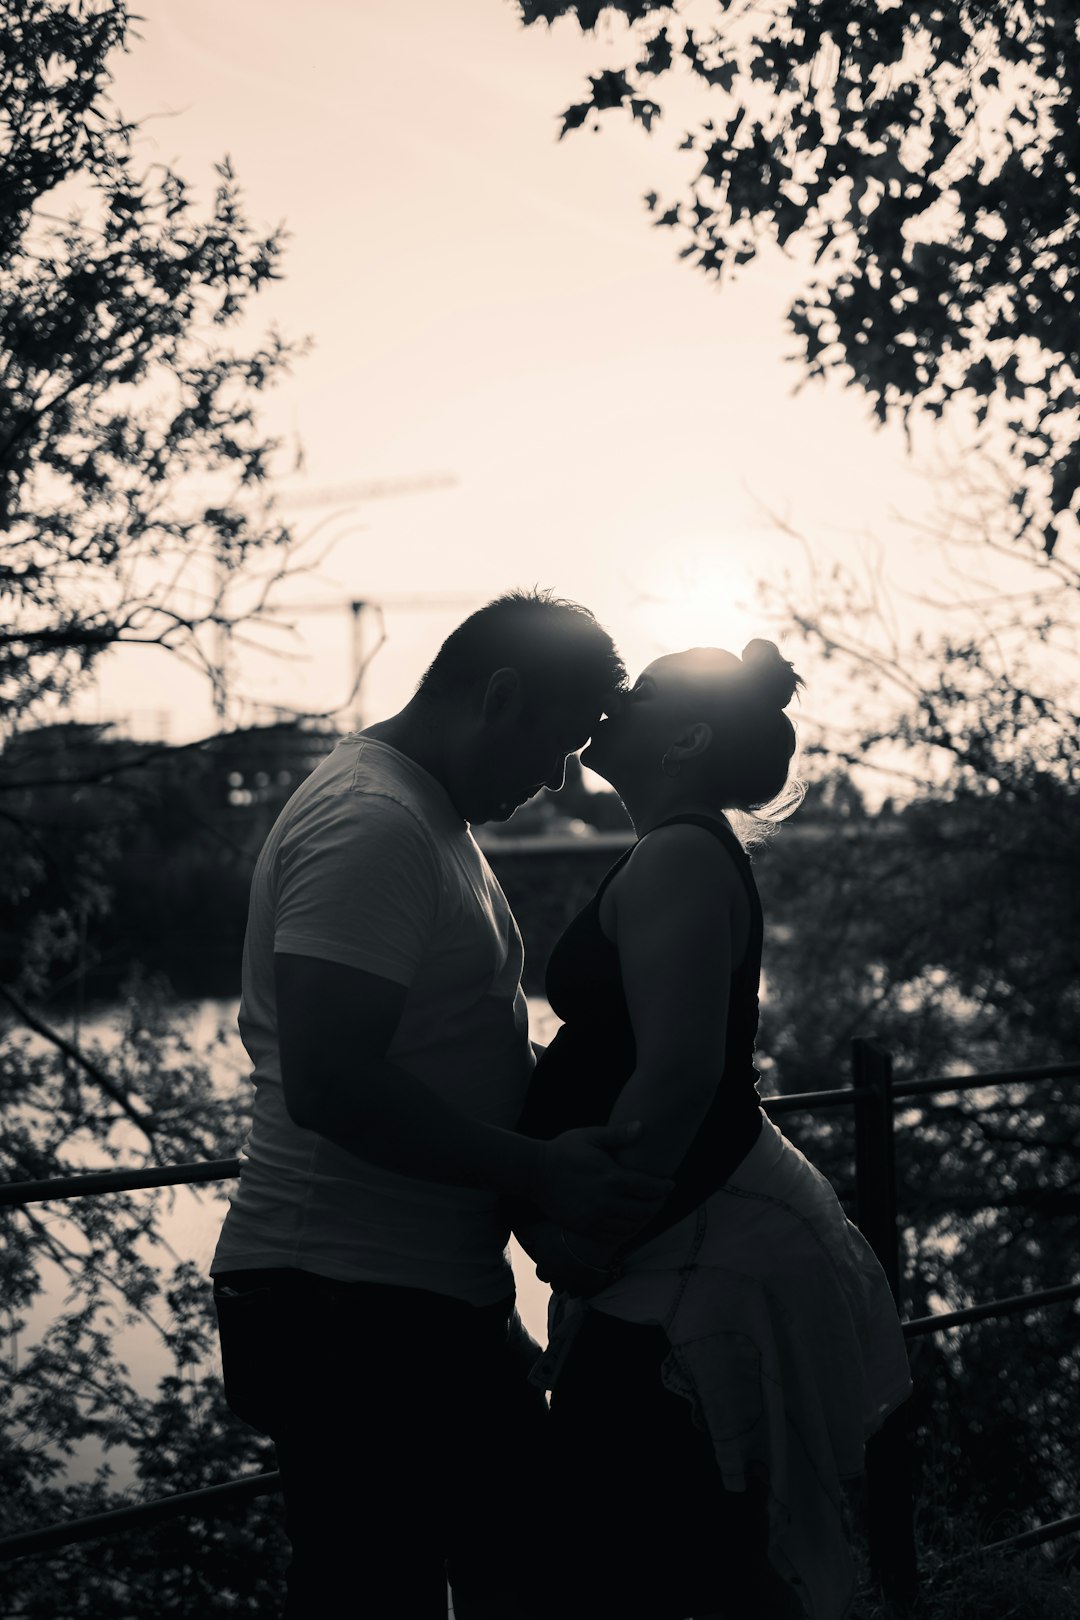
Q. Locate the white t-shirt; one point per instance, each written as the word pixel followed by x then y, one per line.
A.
pixel 370 865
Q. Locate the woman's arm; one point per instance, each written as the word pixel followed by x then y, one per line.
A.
pixel 681 921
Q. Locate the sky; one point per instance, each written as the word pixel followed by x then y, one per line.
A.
pixel 490 306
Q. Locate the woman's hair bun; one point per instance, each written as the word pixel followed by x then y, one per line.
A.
pixel 769 673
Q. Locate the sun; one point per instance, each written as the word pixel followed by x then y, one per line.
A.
pixel 700 592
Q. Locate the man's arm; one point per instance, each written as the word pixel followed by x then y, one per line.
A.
pixel 335 1026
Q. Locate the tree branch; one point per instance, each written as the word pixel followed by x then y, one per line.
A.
pixel 73 1054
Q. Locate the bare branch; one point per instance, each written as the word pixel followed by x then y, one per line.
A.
pixel 74 1055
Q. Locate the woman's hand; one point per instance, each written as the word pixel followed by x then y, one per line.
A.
pixel 580 1182
pixel 568 1262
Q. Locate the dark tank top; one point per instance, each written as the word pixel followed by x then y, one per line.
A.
pixel 578 1078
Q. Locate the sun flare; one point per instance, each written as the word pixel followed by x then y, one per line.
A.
pixel 701 595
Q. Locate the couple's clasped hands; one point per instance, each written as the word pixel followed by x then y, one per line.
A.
pixel 592 1205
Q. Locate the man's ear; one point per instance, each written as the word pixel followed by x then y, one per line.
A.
pixel 502 695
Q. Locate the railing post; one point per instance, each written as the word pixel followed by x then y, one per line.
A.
pixel 889 1516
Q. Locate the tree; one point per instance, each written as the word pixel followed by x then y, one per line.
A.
pixel 947 926
pixel 129 834
pixel 922 162
pixel 132 465
pixel 69 1105
pixel 133 509
pixel 972 719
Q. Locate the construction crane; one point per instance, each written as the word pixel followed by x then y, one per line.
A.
pixel 343 496
pixel 357 607
pixel 375 489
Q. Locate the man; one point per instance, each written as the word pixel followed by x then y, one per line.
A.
pixel 364 1295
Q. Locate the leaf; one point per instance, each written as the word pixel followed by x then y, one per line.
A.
pixel 547 11
pixel 981 377
pixel 658 56
pixel 723 76
pixel 609 89
pixel 574 117
pixel 644 111
pixel 1065 482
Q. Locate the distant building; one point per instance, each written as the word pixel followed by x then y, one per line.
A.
pixel 265 764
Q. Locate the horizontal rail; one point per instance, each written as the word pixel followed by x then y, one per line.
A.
pixel 138 1516
pixel 793 1102
pixel 1035 1538
pixel 993 1077
pixel 91 1182
pixel 1011 1306
pixel 28 1192
pixel 99 1181
pixel 118 1520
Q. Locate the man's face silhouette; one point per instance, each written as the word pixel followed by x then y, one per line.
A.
pixel 526 750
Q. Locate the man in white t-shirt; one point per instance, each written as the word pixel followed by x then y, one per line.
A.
pixel 364 1294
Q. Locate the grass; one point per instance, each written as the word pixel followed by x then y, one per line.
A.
pixel 959 1580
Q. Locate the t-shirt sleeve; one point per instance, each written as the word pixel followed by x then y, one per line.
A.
pixel 358 883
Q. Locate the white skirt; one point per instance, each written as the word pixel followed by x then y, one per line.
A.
pixel 784 1339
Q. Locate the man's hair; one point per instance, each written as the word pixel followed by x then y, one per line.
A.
pixel 558 648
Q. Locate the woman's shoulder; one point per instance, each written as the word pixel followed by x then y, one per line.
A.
pixel 711 841
pixel 680 880
pixel 685 859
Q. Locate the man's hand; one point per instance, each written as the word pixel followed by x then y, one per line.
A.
pixel 582 1186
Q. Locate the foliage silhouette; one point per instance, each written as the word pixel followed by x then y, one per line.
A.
pixel 132 465
pixel 133 509
pixel 921 162
pixel 947 925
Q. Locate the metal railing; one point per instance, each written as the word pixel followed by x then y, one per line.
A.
pixel 889 1506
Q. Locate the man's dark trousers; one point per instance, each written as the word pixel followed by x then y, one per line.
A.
pixel 411 1446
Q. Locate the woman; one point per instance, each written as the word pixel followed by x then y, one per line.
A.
pixel 714 1381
